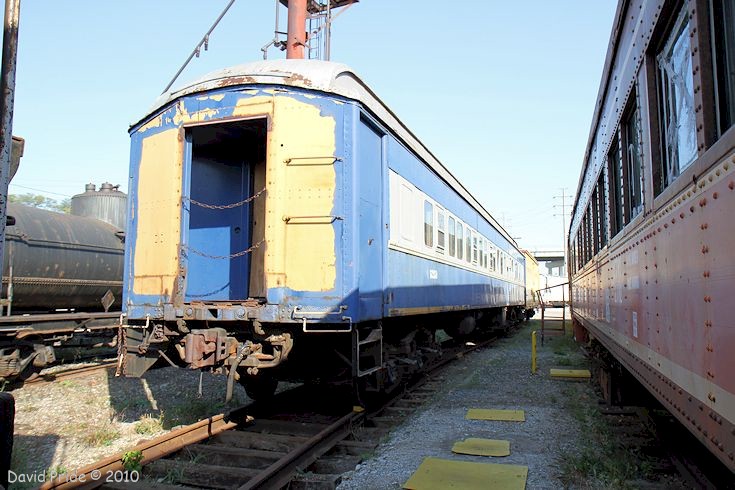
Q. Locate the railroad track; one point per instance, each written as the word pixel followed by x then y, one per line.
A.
pixel 70 373
pixel 307 436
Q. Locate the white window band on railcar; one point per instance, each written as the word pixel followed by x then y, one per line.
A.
pixel 408 223
pixel 407 207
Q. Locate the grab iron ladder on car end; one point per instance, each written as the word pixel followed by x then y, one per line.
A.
pixel 553 326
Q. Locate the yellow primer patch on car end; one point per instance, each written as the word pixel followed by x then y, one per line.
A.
pixel 158 214
pixel 299 207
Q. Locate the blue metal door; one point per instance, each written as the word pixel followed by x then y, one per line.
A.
pixel 370 245
pixel 217 234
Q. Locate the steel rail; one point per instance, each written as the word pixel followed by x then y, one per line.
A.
pixel 93 475
pixel 280 473
pixel 70 373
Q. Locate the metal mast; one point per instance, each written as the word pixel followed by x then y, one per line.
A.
pixel 300 41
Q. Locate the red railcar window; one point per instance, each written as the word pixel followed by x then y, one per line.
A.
pixel 723 50
pixel 633 161
pixel 676 101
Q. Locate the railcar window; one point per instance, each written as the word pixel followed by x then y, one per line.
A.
pixel 474 248
pixel 460 244
pixel 615 184
pixel 484 263
pixel 590 236
pixel 633 161
pixel 452 237
pixel 676 102
pixel 492 258
pixel 481 252
pixel 595 223
pixel 469 245
pixel 723 49
pixel 580 249
pixel 602 207
pixel 440 234
pixel 428 224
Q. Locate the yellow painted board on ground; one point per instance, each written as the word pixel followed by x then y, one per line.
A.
pixel 571 373
pixel 440 474
pixel 482 447
pixel 492 414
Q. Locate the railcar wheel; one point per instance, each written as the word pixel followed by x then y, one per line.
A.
pixel 259 387
pixel 465 327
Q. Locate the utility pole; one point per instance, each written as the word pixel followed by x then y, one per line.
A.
pixel 563 215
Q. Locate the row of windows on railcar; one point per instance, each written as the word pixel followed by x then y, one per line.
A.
pixel 618 195
pixel 463 243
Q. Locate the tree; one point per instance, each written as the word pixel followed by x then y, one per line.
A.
pixel 42 202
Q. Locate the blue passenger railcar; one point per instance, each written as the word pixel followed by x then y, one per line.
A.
pixel 280 210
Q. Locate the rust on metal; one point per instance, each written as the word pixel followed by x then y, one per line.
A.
pixel 281 472
pixel 296 29
pixel 151 450
pixel 7 102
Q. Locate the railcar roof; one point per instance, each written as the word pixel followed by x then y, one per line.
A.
pixel 607 69
pixel 328 77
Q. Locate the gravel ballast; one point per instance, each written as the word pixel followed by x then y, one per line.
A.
pixel 555 434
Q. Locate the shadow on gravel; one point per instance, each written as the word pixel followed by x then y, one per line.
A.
pixel 31 459
pixel 168 397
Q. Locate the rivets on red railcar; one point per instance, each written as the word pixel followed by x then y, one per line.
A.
pixel 703 202
pixel 731 185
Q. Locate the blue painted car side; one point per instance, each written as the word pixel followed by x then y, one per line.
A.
pixel 372 280
pixel 281 301
pixel 414 284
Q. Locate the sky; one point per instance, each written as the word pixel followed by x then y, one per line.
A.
pixel 501 92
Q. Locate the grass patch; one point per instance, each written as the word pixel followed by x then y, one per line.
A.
pixel 52 473
pixel 190 411
pixel 67 384
pixel 101 437
pixel 148 424
pixel 603 461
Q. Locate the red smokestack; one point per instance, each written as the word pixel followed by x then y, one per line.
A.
pixel 296 29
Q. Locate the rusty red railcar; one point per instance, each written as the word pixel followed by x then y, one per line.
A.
pixel 652 237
